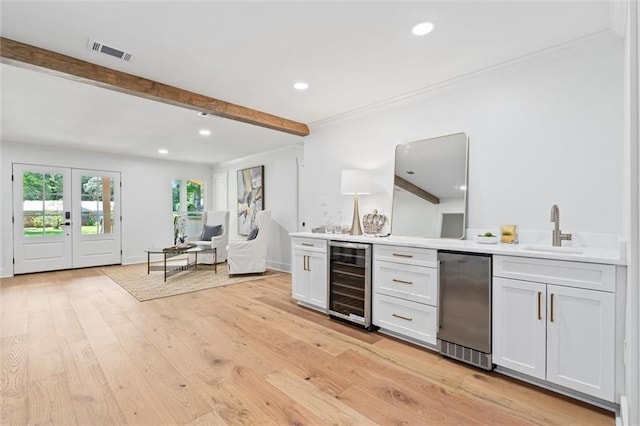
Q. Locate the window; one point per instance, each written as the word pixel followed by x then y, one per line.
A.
pixel 189 193
pixel 188 197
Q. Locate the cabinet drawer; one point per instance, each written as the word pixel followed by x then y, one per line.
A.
pixel 409 319
pixel 415 283
pixel 309 244
pixel 594 276
pixel 406 255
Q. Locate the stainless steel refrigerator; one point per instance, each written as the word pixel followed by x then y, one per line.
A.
pixel 464 321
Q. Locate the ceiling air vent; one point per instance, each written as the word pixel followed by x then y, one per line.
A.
pixel 109 50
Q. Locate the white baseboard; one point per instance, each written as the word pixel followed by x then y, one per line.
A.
pixel 6 272
pixel 279 266
pixel 623 416
pixel 131 260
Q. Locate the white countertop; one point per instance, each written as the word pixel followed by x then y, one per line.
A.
pixel 606 255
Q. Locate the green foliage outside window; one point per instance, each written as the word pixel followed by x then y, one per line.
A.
pixel 37 185
pixel 194 200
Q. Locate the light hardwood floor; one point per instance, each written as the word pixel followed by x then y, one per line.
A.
pixel 78 349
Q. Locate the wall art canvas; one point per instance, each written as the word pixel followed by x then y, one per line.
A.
pixel 250 197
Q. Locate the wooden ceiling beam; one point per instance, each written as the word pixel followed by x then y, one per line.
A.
pixel 26 56
pixel 415 190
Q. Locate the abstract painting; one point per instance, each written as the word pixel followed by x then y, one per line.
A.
pixel 250 197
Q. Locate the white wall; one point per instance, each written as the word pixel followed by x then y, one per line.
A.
pixel 630 407
pixel 146 194
pixel 545 131
pixel 280 196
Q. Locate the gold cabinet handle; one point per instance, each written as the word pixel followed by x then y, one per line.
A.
pixel 403 255
pixel 551 317
pixel 539 305
pixel 308 263
pixel 307 244
pixel 401 317
pixel 304 262
pixel 402 281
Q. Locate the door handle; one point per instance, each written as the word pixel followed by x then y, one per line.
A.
pixel 408 256
pixel 402 317
pixel 551 317
pixel 440 292
pixel 66 224
pixel 539 305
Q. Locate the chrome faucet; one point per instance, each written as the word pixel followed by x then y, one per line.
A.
pixel 558 236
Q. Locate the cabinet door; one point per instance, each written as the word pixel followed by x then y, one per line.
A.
pixel 317 270
pixel 580 340
pixel 300 277
pixel 519 326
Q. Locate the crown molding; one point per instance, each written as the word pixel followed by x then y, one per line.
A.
pixel 521 62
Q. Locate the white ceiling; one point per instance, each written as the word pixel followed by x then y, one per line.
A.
pixel 353 54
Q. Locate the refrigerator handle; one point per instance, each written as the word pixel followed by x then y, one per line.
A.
pixel 440 291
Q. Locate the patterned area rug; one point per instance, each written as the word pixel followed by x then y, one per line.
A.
pixel 135 280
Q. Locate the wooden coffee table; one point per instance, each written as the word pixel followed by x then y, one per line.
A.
pixel 170 269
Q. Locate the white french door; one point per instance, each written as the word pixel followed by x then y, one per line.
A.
pixel 95 218
pixel 41 211
pixel 65 218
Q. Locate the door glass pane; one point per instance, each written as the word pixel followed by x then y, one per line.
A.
pixel 97 205
pixel 42 204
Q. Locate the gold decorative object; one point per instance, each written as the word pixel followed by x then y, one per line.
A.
pixel 509 234
pixel 373 222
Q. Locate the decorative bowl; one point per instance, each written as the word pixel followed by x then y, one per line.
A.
pixel 487 240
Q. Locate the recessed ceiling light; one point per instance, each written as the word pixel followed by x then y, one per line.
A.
pixel 163 151
pixel 204 132
pixel 422 28
pixel 301 85
pixel 203 114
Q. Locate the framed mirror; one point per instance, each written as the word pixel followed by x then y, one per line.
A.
pixel 430 187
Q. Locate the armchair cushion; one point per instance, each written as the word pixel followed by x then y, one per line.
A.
pixel 209 232
pixel 252 234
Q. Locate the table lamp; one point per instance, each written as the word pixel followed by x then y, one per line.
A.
pixel 356 182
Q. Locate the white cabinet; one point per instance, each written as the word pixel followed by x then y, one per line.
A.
pixel 405 292
pixel 309 279
pixel 563 334
pixel 520 326
pixel 580 340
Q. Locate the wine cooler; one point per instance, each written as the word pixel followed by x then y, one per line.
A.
pixel 350 282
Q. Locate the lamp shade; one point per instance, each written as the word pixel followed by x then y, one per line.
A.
pixel 355 182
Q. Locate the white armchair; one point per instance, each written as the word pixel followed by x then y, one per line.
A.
pixel 215 218
pixel 250 256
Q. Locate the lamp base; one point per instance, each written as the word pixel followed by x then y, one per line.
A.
pixel 356 228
